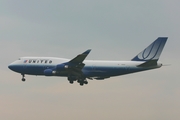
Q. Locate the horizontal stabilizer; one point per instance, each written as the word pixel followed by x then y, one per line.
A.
pixel 149 63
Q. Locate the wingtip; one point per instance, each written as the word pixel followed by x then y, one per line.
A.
pixel 163 38
pixel 87 51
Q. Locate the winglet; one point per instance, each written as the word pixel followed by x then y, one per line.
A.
pixel 153 51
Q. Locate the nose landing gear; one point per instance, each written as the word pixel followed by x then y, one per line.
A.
pixel 23 78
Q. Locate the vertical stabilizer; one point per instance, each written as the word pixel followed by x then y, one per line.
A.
pixel 153 51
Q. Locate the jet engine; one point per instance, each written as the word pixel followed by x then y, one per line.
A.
pixel 49 72
pixel 61 67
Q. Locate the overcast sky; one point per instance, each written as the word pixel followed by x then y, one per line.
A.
pixel 114 30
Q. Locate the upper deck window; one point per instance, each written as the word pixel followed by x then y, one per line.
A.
pixel 50 61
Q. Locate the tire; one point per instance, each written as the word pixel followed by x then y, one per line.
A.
pixel 23 79
pixel 71 82
pixel 81 83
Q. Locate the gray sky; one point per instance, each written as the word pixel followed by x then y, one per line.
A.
pixel 114 30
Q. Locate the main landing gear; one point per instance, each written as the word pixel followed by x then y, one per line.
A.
pixel 23 78
pixel 82 82
pixel 71 81
pixel 79 81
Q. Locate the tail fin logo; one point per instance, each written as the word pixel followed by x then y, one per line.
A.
pixel 153 51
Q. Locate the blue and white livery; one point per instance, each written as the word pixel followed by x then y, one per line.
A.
pixel 79 69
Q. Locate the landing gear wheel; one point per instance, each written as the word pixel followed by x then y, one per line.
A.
pixel 71 82
pixel 85 82
pixel 81 83
pixel 23 79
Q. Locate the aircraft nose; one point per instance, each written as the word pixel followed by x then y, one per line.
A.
pixel 16 68
pixel 11 67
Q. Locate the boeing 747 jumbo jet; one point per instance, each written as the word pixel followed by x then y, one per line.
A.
pixel 78 69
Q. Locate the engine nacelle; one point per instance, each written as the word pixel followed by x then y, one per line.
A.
pixel 49 72
pixel 61 67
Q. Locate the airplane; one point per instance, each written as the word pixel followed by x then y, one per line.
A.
pixel 78 69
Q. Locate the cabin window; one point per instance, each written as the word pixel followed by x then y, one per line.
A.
pixel 38 61
pixel 30 61
pixel 34 61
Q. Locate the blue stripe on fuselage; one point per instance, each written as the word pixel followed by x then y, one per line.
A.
pixel 88 71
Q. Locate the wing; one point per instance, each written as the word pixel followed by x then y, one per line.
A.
pixel 80 58
pixel 74 66
pixel 71 69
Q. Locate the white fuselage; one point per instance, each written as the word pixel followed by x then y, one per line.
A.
pixel 78 69
pixel 92 68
